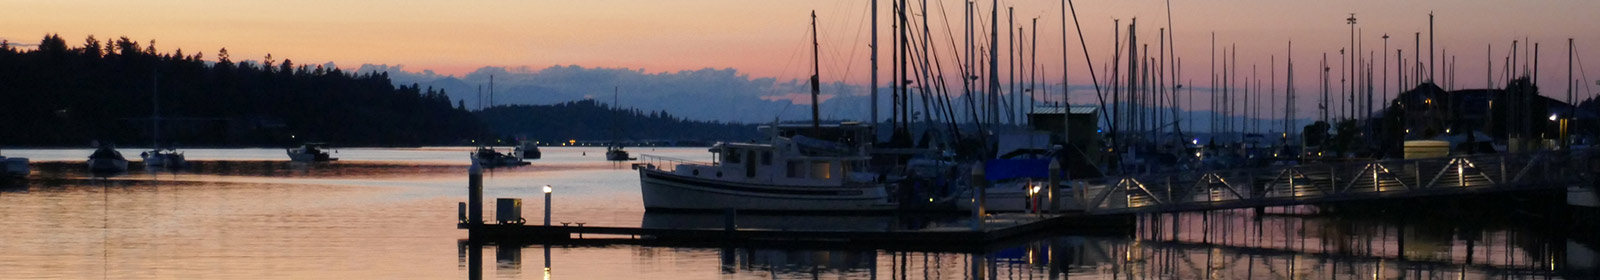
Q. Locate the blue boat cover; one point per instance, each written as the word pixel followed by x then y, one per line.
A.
pixel 1002 169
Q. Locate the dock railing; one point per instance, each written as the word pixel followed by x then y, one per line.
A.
pixel 664 164
pixel 1331 182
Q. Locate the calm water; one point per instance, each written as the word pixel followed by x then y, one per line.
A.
pixel 390 214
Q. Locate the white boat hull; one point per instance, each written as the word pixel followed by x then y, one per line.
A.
pixel 666 191
pixel 164 160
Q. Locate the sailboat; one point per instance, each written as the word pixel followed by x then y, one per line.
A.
pixel 614 151
pixel 158 157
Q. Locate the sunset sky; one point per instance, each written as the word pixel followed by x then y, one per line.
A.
pixel 771 39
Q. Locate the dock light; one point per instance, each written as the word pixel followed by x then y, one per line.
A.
pixel 547 190
pixel 1033 191
pixel 1552 117
pixel 1196 141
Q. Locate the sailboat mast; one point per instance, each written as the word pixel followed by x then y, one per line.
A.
pixel 1066 88
pixel 155 111
pixel 994 64
pixel 816 124
pixel 874 46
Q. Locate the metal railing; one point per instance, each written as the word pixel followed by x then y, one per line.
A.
pixel 1314 183
pixel 664 164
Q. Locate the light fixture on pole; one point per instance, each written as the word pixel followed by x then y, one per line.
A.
pixel 547 190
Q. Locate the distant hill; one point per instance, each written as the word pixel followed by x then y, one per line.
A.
pixel 587 120
pixel 56 95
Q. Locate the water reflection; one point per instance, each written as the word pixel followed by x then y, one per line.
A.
pixel 1306 242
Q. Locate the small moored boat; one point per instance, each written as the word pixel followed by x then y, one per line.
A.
pixel 106 159
pixel 310 152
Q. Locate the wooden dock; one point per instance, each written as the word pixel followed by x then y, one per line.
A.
pixel 999 229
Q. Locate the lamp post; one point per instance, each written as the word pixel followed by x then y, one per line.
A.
pixel 547 190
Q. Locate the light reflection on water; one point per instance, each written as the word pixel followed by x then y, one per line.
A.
pixel 390 213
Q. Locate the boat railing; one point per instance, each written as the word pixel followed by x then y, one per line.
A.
pixel 664 164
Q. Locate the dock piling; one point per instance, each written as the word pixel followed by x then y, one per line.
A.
pixel 730 218
pixel 1055 179
pixel 978 189
pixel 475 196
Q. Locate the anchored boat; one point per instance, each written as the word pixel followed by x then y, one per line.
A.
pixel 106 159
pixel 310 152
pixel 528 150
pixel 488 157
pixel 13 167
pixel 823 171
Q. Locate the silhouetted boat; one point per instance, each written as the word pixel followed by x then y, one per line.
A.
pixel 106 159
pixel 157 157
pixel 488 157
pixel 13 167
pixel 164 158
pixel 528 150
pixel 615 153
pixel 310 152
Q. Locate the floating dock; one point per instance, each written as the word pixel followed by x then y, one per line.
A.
pixel 998 229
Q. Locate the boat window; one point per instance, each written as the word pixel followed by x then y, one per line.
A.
pixel 732 156
pixel 821 170
pixel 795 168
pixel 766 157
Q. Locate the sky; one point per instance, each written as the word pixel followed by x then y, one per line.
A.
pixel 772 38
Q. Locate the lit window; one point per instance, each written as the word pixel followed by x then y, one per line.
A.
pixel 821 170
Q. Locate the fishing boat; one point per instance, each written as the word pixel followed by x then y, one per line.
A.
pixel 488 157
pixel 790 172
pixel 310 152
pixel 615 153
pixel 528 150
pixel 799 168
pixel 106 159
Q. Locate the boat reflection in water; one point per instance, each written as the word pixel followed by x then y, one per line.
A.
pixel 1302 242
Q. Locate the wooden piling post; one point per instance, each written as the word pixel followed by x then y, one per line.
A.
pixel 475 195
pixel 979 183
pixel 1055 179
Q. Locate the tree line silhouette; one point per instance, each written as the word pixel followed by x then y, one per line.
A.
pixel 68 95
pixel 588 120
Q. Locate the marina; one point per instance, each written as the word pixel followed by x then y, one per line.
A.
pixel 773 161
